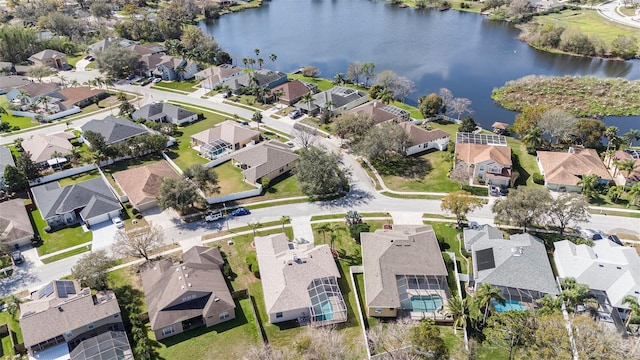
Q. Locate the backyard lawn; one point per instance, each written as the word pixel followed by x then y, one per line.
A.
pixel 447 236
pixel 58 240
pixel 323 84
pixel 79 178
pixel 427 172
pixel 6 318
pixel 589 22
pixel 523 162
pixel 230 179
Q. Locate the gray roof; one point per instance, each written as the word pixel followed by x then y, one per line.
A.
pixel 404 250
pixel 263 77
pixel 166 285
pixel 264 158
pixel 14 220
pixel 338 95
pixel 11 81
pixel 485 232
pixel 5 159
pixel 114 129
pixel 520 263
pixel 93 197
pixel 158 111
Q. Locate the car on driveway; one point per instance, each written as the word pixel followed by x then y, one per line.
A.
pixel 503 191
pixel 494 190
pixel 213 217
pixel 89 58
pixel 294 114
pixel 17 258
pixel 146 82
pixel 240 211
pixel 117 222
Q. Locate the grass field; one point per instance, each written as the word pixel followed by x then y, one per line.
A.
pixel 79 178
pixel 427 172
pixel 66 254
pixel 58 240
pixel 187 85
pixel 230 179
pixel 523 162
pixel 6 318
pixel 323 84
pixel 589 23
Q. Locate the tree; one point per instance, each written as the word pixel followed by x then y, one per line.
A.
pixel 460 106
pixel 338 79
pixel 427 342
pixel 308 99
pixel 255 226
pixel 594 341
pixel 631 136
pixel 356 229
pixel 384 142
pixel 17 43
pixel 100 9
pixel 14 179
pixel 533 139
pixel 179 194
pixel 273 58
pixel 386 79
pixel 368 71
pixel 204 178
pixel 624 46
pixel 460 203
pixel 26 166
pixel 485 295
pixel 393 337
pixel 467 125
pixel 352 127
pixel 319 173
pixel 402 87
pixel 95 139
pixel 430 105
pixel 464 312
pixel 615 192
pixel 518 8
pixel 523 207
pixel 352 217
pixel 528 118
pixel 626 165
pixel 588 183
pixel 257 117
pixel 92 269
pixel 40 71
pixel 118 62
pixel 354 69
pixel 573 293
pixel 566 208
pixel 461 174
pixel 510 330
pixel 634 313
pixel 610 133
pixel 323 342
pixel 283 220
pixel 310 71
pixel 126 108
pixel 556 123
pixel 323 229
pixel 304 136
pixel 589 132
pixel 634 193
pixel 138 242
pixel 549 304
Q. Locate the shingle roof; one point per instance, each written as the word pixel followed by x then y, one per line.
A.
pixel 263 77
pixel 42 147
pixel 12 81
pixel 520 262
pixel 38 89
pixel 338 95
pixel 476 153
pixel 566 167
pixel 142 184
pixel 48 54
pixel 624 155
pixel 379 112
pixel 285 281
pixel 6 159
pixel 14 220
pixel 418 135
pixel 219 73
pixel 405 250
pixel 72 95
pixel 291 90
pixel 157 111
pixel 49 316
pixel 92 196
pixel 500 125
pixel 264 158
pixel 114 129
pixel 229 131
pixel 166 285
pixel 485 232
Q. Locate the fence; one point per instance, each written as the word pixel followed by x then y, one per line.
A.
pixel 215 162
pixel 51 117
pixel 121 198
pixel 361 316
pixel 62 174
pixel 235 196
pixel 173 165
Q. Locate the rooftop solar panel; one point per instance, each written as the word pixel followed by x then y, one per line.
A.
pixel 483 139
pixel 45 291
pixel 485 259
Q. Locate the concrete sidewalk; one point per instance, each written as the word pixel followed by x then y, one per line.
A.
pixel 302 228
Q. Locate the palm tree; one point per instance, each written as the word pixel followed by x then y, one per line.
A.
pixel 549 304
pixel 533 139
pixel 56 155
pixel 333 228
pixel 245 61
pixel 260 62
pixel 614 193
pixel 284 219
pixel 632 301
pixel 338 79
pixel 74 83
pixel 634 193
pixel 626 165
pixel 463 312
pixel 485 295
pixel 386 96
pixel 588 183
pixel 608 155
pixel 45 101
pixel 180 70
pixel 308 99
pixel 257 52
pixel 573 293
pixel 610 133
pixel 323 229
pixel 277 94
pixel 273 58
pixel 631 136
pixel 254 226
pixel 24 97
pixel 63 80
pixel 251 62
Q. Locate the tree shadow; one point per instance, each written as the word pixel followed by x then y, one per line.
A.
pixel 413 167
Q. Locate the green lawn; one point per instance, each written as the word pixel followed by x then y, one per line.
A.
pixel 58 240
pixel 589 22
pixel 280 188
pixel 448 239
pixel 79 178
pixel 426 172
pixel 323 84
pixel 66 254
pixel 187 85
pixel 523 162
pixel 230 179
pixel 5 318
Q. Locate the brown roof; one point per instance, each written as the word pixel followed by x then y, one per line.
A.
pixel 14 220
pixel 418 135
pixel 566 167
pixel 229 131
pixel 264 158
pixel 500 125
pixel 72 95
pixel 42 147
pixel 379 111
pixel 48 316
pixel 142 184
pixel 623 155
pixel 404 250
pixel 291 90
pixel 166 285
pixel 476 153
pixel 218 73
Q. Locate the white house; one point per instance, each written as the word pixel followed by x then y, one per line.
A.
pixel 422 140
pixel 165 112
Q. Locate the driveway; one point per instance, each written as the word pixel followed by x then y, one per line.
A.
pixel 103 235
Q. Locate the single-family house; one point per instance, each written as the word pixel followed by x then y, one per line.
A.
pixel 32 92
pixel 114 130
pixel 379 112
pixel 299 281
pixel 338 99
pixel 226 136
pixel 15 226
pixel 610 270
pixel 422 140
pixel 264 161
pixel 625 177
pixel 63 321
pixel 263 77
pixel 50 58
pixel 487 156
pixel 142 184
pixel 563 171
pixel 164 112
pixel 102 45
pixel 184 296
pixel 82 96
pixel 148 49
pixel 291 92
pixel 90 202
pixel 518 266
pixel 404 273
pixel 7 67
pixel 6 159
pixel 216 75
pixel 471 235
pixel 8 82
pixel 42 148
pixel 168 67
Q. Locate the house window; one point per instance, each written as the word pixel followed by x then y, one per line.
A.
pixel 278 315
pixel 188 297
pixel 224 315
pixel 68 334
pixel 168 330
pixel 90 326
pixel 481 168
pixel 378 311
pixel 281 170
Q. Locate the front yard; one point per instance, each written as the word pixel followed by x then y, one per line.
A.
pixel 187 85
pixel 58 240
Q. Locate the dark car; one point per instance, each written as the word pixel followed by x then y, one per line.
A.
pixel 615 239
pixel 240 211
pixel 131 77
pixel 17 258
pixel 89 58
pixel 503 190
pixel 294 114
pixel 146 82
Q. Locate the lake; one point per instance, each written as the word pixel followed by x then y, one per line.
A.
pixel 463 52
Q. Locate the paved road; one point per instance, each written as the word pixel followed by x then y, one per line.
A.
pixel 608 10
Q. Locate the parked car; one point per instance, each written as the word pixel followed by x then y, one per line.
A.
pixel 131 77
pixel 503 190
pixel 494 190
pixel 146 82
pixel 615 239
pixel 117 222
pixel 156 80
pixel 294 114
pixel 591 234
pixel 240 211
pixel 213 217
pixel 290 144
pixel 17 258
pixel 89 58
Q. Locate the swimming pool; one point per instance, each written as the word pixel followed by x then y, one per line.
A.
pixel 426 303
pixel 326 312
pixel 508 305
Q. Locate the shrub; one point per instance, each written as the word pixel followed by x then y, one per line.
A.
pixel 47 229
pixel 252 263
pixel 135 211
pixel 356 229
pixel 138 216
pixel 538 178
pixel 128 205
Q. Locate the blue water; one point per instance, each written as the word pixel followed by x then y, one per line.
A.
pixel 327 312
pixel 509 305
pixel 428 303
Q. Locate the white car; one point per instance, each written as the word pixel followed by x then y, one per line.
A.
pixel 117 222
pixel 213 217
